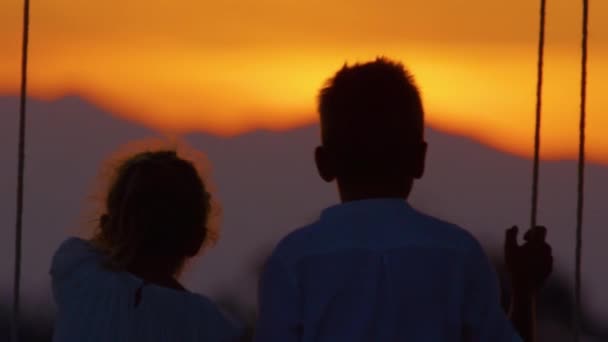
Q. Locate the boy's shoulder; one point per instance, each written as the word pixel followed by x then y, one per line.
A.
pixel 445 233
pixel 415 228
pixel 298 241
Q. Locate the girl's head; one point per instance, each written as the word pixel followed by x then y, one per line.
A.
pixel 155 213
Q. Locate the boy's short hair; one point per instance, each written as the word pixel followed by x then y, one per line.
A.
pixel 371 117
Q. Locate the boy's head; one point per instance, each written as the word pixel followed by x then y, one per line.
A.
pixel 372 130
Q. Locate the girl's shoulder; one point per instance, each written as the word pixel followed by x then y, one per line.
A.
pixel 73 253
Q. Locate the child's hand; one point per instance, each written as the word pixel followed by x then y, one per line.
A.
pixel 529 264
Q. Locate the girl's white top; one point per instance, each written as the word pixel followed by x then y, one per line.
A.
pixel 97 304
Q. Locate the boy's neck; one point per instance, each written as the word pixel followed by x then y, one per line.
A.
pixel 361 191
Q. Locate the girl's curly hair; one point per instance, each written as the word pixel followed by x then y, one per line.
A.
pixel 157 208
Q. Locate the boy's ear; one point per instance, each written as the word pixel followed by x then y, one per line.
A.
pixel 420 161
pixel 325 165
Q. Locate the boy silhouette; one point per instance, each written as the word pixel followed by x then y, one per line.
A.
pixel 373 268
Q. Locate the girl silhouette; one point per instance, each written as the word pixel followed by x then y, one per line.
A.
pixel 122 284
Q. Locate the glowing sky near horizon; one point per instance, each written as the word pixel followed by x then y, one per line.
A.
pixel 229 66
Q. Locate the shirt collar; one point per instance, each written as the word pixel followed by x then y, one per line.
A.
pixel 366 208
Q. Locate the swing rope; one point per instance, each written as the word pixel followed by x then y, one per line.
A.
pixel 539 95
pixel 20 174
pixel 581 175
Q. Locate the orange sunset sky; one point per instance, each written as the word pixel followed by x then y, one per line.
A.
pixel 230 66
